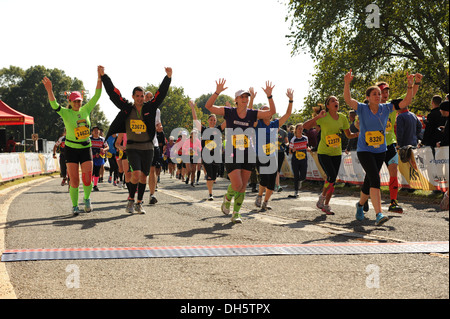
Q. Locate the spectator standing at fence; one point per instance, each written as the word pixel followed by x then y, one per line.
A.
pixel 371 150
pixel 444 108
pixel 434 121
pixel 408 128
pixel 329 150
pixel 11 145
pixel 352 143
pixel 61 143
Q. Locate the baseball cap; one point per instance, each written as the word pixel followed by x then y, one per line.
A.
pixel 75 96
pixel 241 92
pixel 383 86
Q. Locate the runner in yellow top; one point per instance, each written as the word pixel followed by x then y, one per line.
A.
pixel 329 152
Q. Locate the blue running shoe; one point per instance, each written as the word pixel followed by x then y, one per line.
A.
pixel 381 219
pixel 359 212
pixel 87 205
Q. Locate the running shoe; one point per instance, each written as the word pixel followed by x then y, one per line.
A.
pixel 138 208
pixel 327 210
pixel 258 201
pixel 359 212
pixel 237 218
pixel 75 211
pixel 293 196
pixel 95 188
pixel 226 205
pixel 265 206
pixel 381 219
pixel 63 182
pixel 395 207
pixel 320 203
pixel 87 205
pixel 129 208
pixel 210 197
pixel 153 200
pixel 110 179
pixel 279 189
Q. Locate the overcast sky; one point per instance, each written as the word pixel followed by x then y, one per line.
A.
pixel 242 41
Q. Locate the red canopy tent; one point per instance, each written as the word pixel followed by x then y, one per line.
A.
pixel 9 116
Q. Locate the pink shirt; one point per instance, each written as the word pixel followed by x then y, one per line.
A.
pixel 192 148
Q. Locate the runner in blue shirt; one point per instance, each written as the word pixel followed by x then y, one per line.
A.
pixel 371 150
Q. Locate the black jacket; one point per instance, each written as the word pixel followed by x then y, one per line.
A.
pixel 148 109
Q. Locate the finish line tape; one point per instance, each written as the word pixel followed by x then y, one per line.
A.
pixel 223 251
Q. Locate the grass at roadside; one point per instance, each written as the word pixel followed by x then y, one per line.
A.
pixel 18 181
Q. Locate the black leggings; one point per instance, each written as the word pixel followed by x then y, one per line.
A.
pixel 299 168
pixel 371 163
pixel 330 164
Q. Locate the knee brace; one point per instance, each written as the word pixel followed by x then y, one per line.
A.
pixel 86 178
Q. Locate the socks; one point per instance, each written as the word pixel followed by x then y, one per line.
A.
pixel 74 196
pixel 198 175
pixel 238 200
pixel 95 178
pixel 141 190
pixel 230 193
pixel 131 189
pixel 87 191
pixel 393 187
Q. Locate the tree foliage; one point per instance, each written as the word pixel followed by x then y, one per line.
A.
pixel 23 91
pixel 412 36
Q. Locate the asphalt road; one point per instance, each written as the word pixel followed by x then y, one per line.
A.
pixel 38 216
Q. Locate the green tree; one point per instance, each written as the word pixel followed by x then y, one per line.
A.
pixel 175 110
pixel 23 91
pixel 412 35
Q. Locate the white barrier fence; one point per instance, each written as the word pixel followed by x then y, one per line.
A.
pixel 423 171
pixel 18 165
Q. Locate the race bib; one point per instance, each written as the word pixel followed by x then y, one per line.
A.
pixel 210 145
pixel 375 138
pixel 389 126
pixel 81 133
pixel 333 140
pixel 138 126
pixel 269 148
pixel 240 141
pixel 300 155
